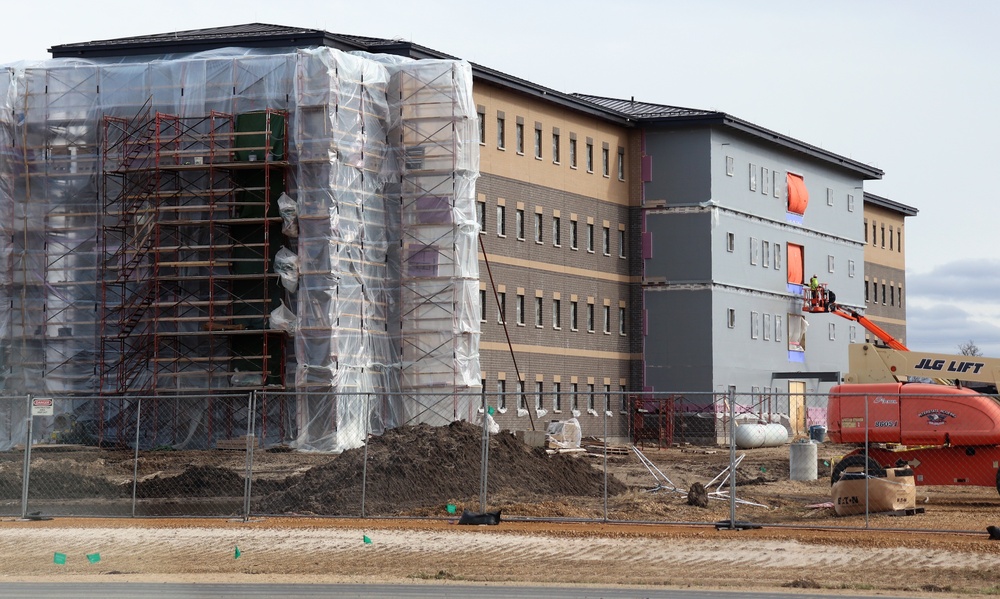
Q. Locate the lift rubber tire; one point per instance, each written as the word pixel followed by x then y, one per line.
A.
pixel 874 469
pixel 998 481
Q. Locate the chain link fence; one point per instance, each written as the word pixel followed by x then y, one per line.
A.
pixel 924 460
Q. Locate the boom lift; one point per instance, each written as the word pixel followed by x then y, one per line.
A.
pixel 945 432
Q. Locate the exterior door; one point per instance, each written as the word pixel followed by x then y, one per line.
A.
pixel 797 408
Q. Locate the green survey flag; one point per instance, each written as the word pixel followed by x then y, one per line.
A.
pixel 59 558
pixel 490 411
pixel 366 539
pixel 451 508
pixel 93 557
pixel 237 554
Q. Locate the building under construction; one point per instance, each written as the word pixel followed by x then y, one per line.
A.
pixel 291 222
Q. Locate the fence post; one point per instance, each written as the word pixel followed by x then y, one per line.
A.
pixel 364 463
pixel 484 455
pixel 135 459
pixel 732 459
pixel 867 474
pixel 27 464
pixel 607 408
pixel 250 437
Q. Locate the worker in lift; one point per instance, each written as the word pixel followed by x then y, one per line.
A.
pixel 814 288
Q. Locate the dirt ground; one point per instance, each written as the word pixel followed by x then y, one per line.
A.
pixel 421 471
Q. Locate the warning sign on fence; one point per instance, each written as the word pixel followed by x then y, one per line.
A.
pixel 42 406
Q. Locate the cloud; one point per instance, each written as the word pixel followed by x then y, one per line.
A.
pixel 967 281
pixel 941 328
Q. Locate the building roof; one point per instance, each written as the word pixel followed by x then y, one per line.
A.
pixel 888 204
pixel 628 113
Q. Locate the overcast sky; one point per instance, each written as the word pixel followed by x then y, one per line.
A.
pixel 907 86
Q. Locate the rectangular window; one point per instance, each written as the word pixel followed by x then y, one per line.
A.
pixel 850 268
pixel 729 166
pixel 796 332
pixel 502 308
pixel 754 325
pixel 538 142
pixel 519 223
pixel 829 196
pixel 572 152
pixel 731 318
pixel 753 177
pixel 765 179
pixel 538 312
pixel 590 318
pixel 555 148
pixel 621 243
pixel 621 320
pixel 607 320
pixel 798 193
pixel 520 309
pixel 501 221
pixel 481 216
pixel 538 395
pixel 730 242
pixel 501 394
pixel 754 251
pixel 875 291
pixel 572 234
pixel 766 254
pixel 892 295
pixel 766 327
pixel 501 132
pixel 556 231
pixel 605 162
pixel 590 397
pixel 482 126
pixel 831 328
pixel 574 390
pixel 874 234
pixel 829 263
pixel 522 403
pixel 796 264
pixel 572 316
pixel 590 237
pixel 883 235
pixel 606 241
pixel 900 296
pixel 890 237
pixel 867 295
pixel 621 164
pixel 519 137
pixel 556 314
pixel 607 398
pixel 622 398
pixel 777 327
pixel 866 230
pixel 852 333
pixel 883 294
pixel 777 256
pixel 482 305
pixel 538 228
pixel 556 397
pixel 776 184
pixel 590 157
pixel 850 202
pixel 899 240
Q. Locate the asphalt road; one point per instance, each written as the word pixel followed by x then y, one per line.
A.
pixel 111 590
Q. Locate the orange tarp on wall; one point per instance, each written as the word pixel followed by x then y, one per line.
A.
pixel 795 264
pixel 798 195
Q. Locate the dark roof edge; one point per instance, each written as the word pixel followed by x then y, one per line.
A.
pixel 890 204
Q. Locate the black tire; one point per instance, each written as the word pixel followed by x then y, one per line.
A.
pixel 998 481
pixel 859 460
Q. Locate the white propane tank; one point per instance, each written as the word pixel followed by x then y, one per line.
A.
pixel 775 435
pixel 749 436
pixel 802 463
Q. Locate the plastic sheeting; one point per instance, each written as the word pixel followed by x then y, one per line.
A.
pixel 382 161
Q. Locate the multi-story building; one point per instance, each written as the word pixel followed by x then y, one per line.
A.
pixel 885 264
pixel 627 246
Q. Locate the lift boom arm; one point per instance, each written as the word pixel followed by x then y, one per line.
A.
pixel 872 364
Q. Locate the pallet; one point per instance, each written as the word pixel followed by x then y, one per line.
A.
pixel 237 444
pixel 910 511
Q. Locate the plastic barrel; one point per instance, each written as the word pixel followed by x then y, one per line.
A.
pixel 817 433
pixel 802 461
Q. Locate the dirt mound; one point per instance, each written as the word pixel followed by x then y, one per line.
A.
pixel 414 467
pixel 49 483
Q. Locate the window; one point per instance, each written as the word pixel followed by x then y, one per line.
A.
pixel 777 327
pixel 883 294
pixel 730 242
pixel 481 216
pixel 866 230
pixel 538 141
pixel 883 235
pixel 798 194
pixel 875 291
pixel 555 147
pixel 482 125
pixel 590 318
pixel 729 166
pixel 482 305
pixel 765 187
pixel 829 196
pixel 501 220
pixel 501 131
pixel 622 399
pixel 831 331
pixel 607 320
pixel 556 314
pixel 899 240
pixel 538 227
pixel 572 315
pixel 766 327
pixel 776 186
pixel 572 152
pixel 850 268
pixel 621 320
pixel 621 164
pixel 754 325
pixel 890 237
pixel 605 162
pixel 572 234
pixel 502 308
pixel 731 318
pixel 538 395
pixel 607 398
pixel 621 243
pixel 852 333
pixel 606 241
pixel 796 264
pixel 556 397
pixel 754 251
pixel 874 234
pixel 519 137
pixel 556 231
pixel 900 296
pixel 522 403
pixel 519 223
pixel 590 156
pixel 829 263
pixel 591 405
pixel 867 295
pixel 590 237
pixel 796 332
pixel 575 396
pixel 520 309
pixel 892 295
pixel 777 256
pixel 850 202
pixel 538 312
pixel 766 254
pixel 753 177
pixel 501 394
